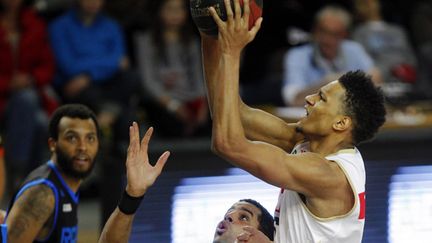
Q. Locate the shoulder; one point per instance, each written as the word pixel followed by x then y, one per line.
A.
pixel 301 50
pixel 37 194
pixel 299 55
pixel 108 22
pixel 352 46
pixel 31 210
pixel 30 17
pixel 62 20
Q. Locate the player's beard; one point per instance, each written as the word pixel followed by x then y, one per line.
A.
pixel 66 166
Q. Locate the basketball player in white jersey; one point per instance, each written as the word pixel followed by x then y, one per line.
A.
pixel 314 161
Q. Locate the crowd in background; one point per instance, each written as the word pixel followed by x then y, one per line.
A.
pixel 136 60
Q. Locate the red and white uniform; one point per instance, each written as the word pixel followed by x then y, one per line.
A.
pixel 296 224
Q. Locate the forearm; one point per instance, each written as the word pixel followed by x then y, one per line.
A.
pixel 211 60
pixel 118 228
pixel 228 132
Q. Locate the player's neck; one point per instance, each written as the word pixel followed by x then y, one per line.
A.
pixel 328 145
pixel 72 182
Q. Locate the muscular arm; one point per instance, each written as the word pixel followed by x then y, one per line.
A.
pixel 258 124
pixel 309 173
pixel 117 229
pixel 29 214
pixel 140 176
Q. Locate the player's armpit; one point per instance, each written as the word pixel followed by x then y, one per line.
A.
pixel 29 214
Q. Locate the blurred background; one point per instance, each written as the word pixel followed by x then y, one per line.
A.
pixel 140 60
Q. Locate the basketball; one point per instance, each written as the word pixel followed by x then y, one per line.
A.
pixel 204 21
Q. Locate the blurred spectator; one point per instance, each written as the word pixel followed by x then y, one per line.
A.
pixel 308 67
pixel 93 68
pixel 389 47
pixel 169 61
pixel 421 25
pixel 26 71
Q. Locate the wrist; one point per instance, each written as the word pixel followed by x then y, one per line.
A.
pixel 129 204
pixel 135 192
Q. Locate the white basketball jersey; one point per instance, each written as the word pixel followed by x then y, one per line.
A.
pixel 296 224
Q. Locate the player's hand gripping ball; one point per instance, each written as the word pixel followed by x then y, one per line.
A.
pixel 204 21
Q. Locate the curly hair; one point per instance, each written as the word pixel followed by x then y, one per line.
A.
pixel 71 111
pixel 266 224
pixel 364 103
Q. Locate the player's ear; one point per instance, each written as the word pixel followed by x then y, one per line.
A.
pixel 342 123
pixel 52 144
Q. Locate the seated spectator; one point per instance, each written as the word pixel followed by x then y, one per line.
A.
pixel 26 71
pixel 93 68
pixel 169 61
pixel 308 67
pixel 388 46
pixel 421 24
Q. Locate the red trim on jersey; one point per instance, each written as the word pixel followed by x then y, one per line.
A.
pixel 362 200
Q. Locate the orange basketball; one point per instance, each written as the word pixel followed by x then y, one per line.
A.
pixel 204 21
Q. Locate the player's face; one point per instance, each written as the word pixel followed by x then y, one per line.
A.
pixel 239 215
pixel 173 13
pixel 76 146
pixel 323 110
pixel 329 33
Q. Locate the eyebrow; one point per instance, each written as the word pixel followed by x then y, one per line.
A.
pixel 242 208
pixel 247 210
pixel 72 131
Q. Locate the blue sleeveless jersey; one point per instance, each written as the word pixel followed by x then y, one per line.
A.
pixel 64 221
pixel 3 233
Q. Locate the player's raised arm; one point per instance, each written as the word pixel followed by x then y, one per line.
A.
pixel 140 176
pixel 258 124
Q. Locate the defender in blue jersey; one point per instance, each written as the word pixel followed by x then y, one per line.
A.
pixel 45 208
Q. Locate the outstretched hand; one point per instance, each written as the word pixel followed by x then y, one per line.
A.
pixel 234 33
pixel 140 173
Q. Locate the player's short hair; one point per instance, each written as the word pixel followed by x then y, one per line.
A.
pixel 364 103
pixel 266 223
pixel 72 111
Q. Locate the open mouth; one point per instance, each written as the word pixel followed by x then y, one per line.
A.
pixel 221 228
pixel 81 159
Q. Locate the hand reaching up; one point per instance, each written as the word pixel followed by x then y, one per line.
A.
pixel 140 173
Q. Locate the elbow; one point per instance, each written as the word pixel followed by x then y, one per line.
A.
pixel 220 145
pixel 226 146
